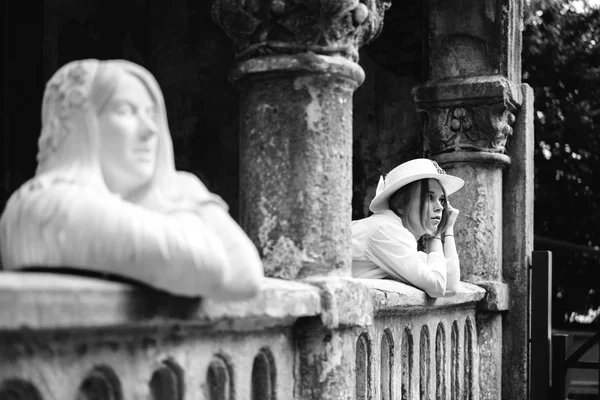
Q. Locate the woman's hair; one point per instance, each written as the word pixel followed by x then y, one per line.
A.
pixel 402 198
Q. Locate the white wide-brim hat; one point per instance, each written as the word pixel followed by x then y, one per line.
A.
pixel 410 171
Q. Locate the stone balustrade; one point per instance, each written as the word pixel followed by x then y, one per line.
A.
pixel 419 347
pixel 66 337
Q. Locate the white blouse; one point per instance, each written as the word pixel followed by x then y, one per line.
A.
pixel 382 248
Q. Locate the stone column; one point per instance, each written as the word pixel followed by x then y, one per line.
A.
pixel 296 68
pixel 469 106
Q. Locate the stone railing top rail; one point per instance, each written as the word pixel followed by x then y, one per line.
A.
pixel 43 301
pixel 48 301
pixel 392 297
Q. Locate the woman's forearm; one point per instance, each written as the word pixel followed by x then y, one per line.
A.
pixel 434 244
pixel 449 244
pixel 453 263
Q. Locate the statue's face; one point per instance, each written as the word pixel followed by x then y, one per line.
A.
pixel 128 137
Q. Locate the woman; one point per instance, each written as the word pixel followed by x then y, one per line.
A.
pixel 106 196
pixel 410 203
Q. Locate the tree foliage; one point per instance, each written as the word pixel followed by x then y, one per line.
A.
pixel 561 61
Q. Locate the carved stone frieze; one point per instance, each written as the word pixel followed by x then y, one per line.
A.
pixel 328 27
pixel 479 128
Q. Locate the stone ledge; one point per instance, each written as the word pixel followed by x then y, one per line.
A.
pixel 496 298
pixel 46 301
pixel 345 302
pixel 299 64
pixel 392 297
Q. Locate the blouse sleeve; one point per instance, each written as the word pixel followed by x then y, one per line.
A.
pixel 453 276
pixel 394 249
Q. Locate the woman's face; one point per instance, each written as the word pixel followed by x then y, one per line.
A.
pixel 437 202
pixel 128 137
pixel 433 213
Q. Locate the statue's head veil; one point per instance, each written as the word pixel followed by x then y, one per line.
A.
pixel 68 144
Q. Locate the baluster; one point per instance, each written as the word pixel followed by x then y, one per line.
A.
pixel 264 376
pixel 425 364
pixel 220 379
pixel 100 384
pixel 167 382
pixel 387 365
pixel 468 361
pixel 440 363
pixel 454 363
pixel 407 363
pixel 18 389
pixel 363 359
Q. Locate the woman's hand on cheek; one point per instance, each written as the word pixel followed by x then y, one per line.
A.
pixel 452 216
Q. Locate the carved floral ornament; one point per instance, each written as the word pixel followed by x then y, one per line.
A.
pixel 329 27
pixel 481 128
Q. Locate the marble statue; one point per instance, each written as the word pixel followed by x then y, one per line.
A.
pixel 106 197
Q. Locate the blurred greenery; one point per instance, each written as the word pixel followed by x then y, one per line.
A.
pixel 561 61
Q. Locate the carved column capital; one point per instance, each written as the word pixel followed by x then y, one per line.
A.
pixel 325 27
pixel 467 114
pixel 480 128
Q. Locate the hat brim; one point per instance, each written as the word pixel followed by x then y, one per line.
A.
pixel 450 183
